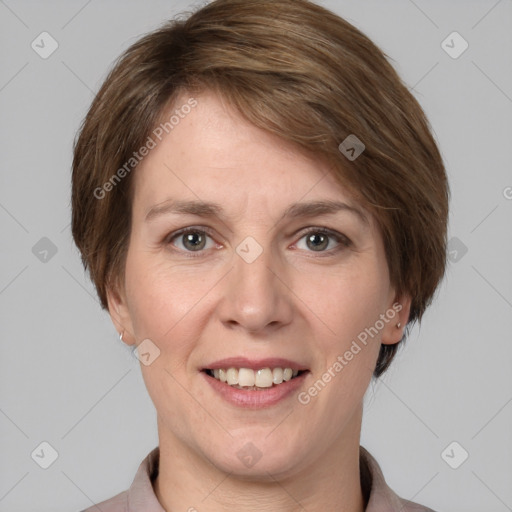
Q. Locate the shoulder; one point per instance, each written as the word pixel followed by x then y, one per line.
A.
pixel 118 503
pixel 379 496
pixel 140 497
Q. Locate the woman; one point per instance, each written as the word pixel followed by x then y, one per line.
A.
pixel 262 209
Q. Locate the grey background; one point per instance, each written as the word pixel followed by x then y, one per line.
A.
pixel 67 379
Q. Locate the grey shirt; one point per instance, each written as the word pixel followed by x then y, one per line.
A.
pixel 140 497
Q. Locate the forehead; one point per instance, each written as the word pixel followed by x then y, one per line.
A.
pixel 212 153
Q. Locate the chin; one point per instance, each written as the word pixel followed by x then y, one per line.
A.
pixel 255 457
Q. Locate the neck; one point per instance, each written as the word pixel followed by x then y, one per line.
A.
pixel 189 482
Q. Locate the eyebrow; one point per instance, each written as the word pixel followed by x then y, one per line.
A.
pixel 209 209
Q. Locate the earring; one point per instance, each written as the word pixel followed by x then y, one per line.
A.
pixel 121 336
pixel 398 325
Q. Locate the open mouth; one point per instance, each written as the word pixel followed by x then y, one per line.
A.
pixel 248 379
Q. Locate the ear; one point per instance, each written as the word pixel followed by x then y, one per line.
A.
pixel 394 329
pixel 119 313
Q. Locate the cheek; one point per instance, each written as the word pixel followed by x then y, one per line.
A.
pixel 160 295
pixel 346 300
pixel 148 302
pixel 348 304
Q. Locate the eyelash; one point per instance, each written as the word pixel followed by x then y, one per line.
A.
pixel 342 240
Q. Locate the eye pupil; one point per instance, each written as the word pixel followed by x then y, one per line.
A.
pixel 196 239
pixel 317 240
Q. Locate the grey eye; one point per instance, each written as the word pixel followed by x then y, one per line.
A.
pixel 317 241
pixel 194 241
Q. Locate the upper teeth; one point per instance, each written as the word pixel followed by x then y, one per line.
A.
pixel 263 378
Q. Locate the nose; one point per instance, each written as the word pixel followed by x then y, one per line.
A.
pixel 256 296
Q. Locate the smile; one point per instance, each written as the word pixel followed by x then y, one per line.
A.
pixel 249 379
pixel 255 383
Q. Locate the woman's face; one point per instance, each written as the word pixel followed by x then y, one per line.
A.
pixel 260 279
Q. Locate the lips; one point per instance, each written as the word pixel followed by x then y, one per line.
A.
pixel 255 383
pixel 254 397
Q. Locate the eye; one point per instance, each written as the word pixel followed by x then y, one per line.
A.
pixel 321 240
pixel 191 239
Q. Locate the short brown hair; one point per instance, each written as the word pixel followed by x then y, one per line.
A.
pixel 298 71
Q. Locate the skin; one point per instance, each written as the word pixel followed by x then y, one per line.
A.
pixel 296 301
